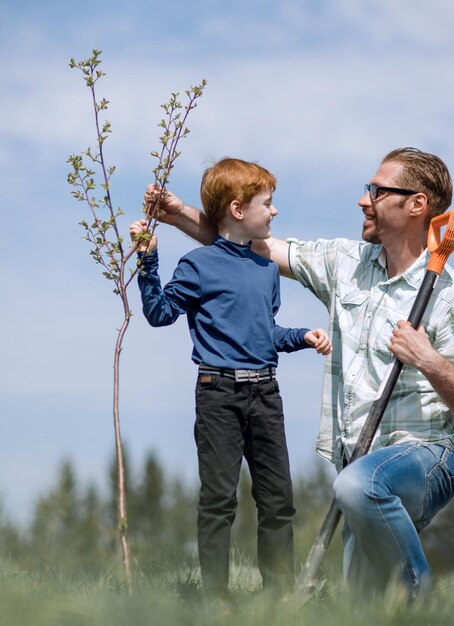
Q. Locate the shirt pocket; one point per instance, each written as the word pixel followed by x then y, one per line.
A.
pixel 351 302
pixel 384 334
pixel 410 379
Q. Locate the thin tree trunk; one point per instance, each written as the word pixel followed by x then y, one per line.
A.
pixel 122 512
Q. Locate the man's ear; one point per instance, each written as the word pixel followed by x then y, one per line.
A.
pixel 420 204
pixel 236 210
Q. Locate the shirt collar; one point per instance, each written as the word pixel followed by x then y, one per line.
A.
pixel 378 255
pixel 412 275
pixel 232 248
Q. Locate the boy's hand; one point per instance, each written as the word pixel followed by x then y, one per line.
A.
pixel 169 205
pixel 318 339
pixel 139 234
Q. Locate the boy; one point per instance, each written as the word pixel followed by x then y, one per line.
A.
pixel 231 296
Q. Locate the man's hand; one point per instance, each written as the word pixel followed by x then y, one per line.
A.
pixel 141 236
pixel 170 205
pixel 318 339
pixel 412 347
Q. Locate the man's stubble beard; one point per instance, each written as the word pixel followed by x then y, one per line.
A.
pixel 371 238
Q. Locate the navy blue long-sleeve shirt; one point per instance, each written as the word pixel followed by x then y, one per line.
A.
pixel 230 296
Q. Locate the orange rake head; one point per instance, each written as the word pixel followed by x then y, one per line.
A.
pixel 440 248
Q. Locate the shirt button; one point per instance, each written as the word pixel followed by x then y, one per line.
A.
pixel 369 314
pixel 362 346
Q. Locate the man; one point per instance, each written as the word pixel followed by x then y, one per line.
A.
pixel 391 494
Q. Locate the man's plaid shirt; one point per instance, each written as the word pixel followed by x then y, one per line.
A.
pixel 350 278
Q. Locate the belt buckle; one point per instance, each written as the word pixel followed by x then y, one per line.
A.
pixel 251 376
pixel 240 376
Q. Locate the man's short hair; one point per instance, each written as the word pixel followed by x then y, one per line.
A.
pixel 425 173
pixel 232 179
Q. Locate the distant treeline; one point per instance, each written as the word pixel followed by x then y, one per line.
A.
pixel 72 531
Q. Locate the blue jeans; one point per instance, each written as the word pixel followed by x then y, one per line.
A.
pixel 387 497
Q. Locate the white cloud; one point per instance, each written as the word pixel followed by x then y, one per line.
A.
pixel 299 106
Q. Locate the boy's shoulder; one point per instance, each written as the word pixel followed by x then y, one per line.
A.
pixel 203 254
pixel 200 252
pixel 265 261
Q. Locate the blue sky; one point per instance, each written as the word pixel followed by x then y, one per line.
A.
pixel 316 91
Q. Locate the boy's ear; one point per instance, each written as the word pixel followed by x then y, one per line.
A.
pixel 236 210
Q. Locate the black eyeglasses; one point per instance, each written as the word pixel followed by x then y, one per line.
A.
pixel 374 190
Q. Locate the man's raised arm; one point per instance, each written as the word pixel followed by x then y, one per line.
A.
pixel 277 251
pixel 174 212
pixel 195 224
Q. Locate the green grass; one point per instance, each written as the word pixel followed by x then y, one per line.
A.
pixel 45 599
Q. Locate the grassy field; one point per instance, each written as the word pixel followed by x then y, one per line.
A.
pixel 63 568
pixel 44 599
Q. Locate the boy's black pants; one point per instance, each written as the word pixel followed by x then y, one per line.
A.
pixel 236 419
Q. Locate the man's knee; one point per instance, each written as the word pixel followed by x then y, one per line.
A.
pixel 350 490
